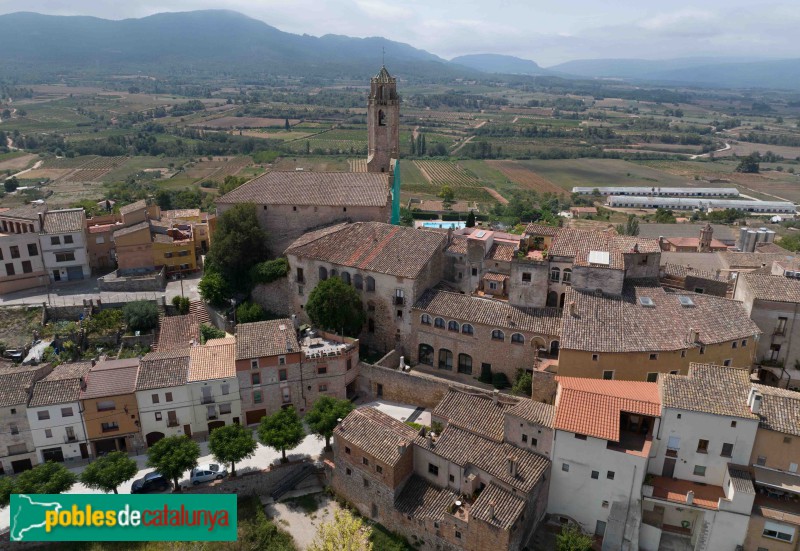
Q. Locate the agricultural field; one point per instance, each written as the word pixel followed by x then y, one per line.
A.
pixel 227 123
pixel 16 160
pixel 526 178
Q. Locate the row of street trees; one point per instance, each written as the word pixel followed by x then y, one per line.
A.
pixel 174 455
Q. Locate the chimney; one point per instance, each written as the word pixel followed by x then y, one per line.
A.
pixel 401 449
pixel 402 362
pixel 94 362
pixel 495 396
pixel 429 438
pixel 636 247
pixel 572 308
pixel 491 509
pixel 512 466
pixel 689 497
pixel 449 235
pixel 41 220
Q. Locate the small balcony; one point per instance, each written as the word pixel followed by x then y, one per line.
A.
pixel 68 439
pixel 211 417
pixel 173 424
pixel 109 429
pixel 207 400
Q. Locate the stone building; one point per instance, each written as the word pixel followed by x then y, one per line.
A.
pixel 389 266
pixel 649 330
pixel 470 336
pixel 466 488
pixel 20 250
pixel 677 276
pixel 383 116
pixel 63 239
pixel 17 447
pixel 276 369
pixel 771 301
pixel 55 415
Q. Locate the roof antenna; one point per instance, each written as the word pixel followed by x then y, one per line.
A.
pixel 383 57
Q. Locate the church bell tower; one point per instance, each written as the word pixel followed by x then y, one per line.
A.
pixel 383 114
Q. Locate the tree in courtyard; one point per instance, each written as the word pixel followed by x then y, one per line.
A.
pixel 141 315
pixel 281 431
pixel 249 312
pixel 239 244
pixel 471 219
pixel 345 532
pixel 108 472
pixel 45 478
pixel 214 288
pixel 231 444
pixel 208 332
pixel 524 383
pixel 172 456
pixel 572 538
pixel 336 306
pixel 181 304
pixel 448 196
pixel 324 415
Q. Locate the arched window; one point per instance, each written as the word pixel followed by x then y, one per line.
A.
pixel 370 284
pixel 465 364
pixel 567 275
pixel 555 274
pixel 445 359
pixel 518 338
pixel 554 346
pixel 426 354
pixel 323 273
pixel 426 319
pixel 467 329
pixel 333 272
pixel 346 277
pixel 453 326
pixel 438 322
pixel 498 335
pixel 358 281
pixel 381 118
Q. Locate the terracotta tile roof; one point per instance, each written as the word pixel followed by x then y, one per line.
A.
pixel 214 360
pixel 583 210
pixel 607 323
pixel 138 205
pixel 570 241
pixel 771 248
pixel 502 252
pixel 654 231
pixel 374 247
pixel 616 260
pixel 180 213
pixel 422 500
pixel 627 244
pixel 775 288
pixel 507 507
pixel 458 245
pixel 534 412
pixel 676 270
pixel 265 338
pixel 132 229
pixel 465 448
pixel 178 332
pixel 541 230
pixel 111 378
pixel 475 411
pixel 25 212
pixel 740 477
pixel 694 242
pixel 734 260
pixel 64 221
pixel 493 276
pixel 780 409
pixel 492 313
pixel 376 433
pixel 343 189
pixel 593 406
pixel 163 369
pixel 675 490
pixel 709 262
pixel 15 383
pixel 708 388
pixel 62 385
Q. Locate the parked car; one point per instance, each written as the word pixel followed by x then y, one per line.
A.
pixel 206 473
pixel 152 482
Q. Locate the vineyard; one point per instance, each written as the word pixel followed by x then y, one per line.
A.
pixel 66 162
pixel 526 178
pixel 440 173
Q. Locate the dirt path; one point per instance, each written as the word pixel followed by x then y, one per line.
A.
pixel 462 144
pixel 494 193
pixel 726 148
pixel 21 172
pixel 480 124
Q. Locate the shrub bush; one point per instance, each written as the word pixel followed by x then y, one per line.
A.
pixel 141 315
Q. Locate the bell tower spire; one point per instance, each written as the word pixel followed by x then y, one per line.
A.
pixel 383 121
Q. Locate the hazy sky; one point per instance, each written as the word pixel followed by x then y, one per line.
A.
pixel 546 31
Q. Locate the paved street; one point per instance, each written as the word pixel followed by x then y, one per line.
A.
pixel 67 294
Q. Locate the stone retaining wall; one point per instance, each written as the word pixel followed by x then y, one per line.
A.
pixel 259 483
pixel 116 282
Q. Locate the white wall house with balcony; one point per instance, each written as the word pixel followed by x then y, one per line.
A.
pixel 63 243
pixel 58 432
pixel 213 386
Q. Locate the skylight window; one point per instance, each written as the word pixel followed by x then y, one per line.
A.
pixel 685 301
pixel 647 301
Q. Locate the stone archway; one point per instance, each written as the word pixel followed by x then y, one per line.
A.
pixel 153 437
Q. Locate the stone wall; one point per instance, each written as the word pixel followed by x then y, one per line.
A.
pixel 274 297
pixel 154 281
pixel 259 483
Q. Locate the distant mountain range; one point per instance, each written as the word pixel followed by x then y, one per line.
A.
pixel 226 42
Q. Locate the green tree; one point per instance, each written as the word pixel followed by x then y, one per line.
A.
pixel 281 431
pixel 572 538
pixel 631 226
pixel 172 456
pixel 523 385
pixel 269 271
pixel 181 304
pixel 11 184
pixel 239 244
pixel 790 242
pixel 336 306
pixel 664 216
pixel 286 125
pixel 104 322
pixel 108 472
pixel 214 288
pixel 749 164
pixel 249 312
pixel 448 196
pixel 141 315
pixel 346 532
pixel 471 219
pixel 208 332
pixel 231 444
pixel 45 478
pixel 324 415
pixel 6 489
pixel 413 150
pixel 406 217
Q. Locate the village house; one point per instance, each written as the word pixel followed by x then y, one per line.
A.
pixel 20 250
pixel 478 261
pixel 17 447
pixel 703 244
pixel 213 385
pixel 603 437
pixel 275 369
pixel 676 276
pixel 110 409
pixel 649 330
pixel 472 337
pixel 55 415
pixel 389 266
pixel 63 239
pixel 165 401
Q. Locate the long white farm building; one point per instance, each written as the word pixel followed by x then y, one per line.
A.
pixel 660 191
pixel 692 203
